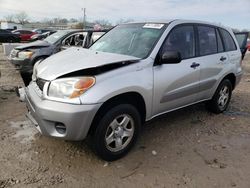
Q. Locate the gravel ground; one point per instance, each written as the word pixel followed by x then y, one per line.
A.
pixel 187 148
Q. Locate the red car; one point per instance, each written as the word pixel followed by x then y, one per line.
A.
pixel 248 45
pixel 24 34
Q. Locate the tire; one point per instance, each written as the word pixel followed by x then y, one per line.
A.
pixel 27 74
pixel 221 98
pixel 38 59
pixel 26 78
pixel 116 132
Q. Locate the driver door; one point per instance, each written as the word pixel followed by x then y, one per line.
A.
pixel 176 85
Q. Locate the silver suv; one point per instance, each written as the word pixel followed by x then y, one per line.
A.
pixel 132 74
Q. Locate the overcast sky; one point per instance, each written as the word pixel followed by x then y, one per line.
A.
pixel 232 13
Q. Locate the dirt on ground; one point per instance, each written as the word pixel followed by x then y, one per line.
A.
pixel 186 148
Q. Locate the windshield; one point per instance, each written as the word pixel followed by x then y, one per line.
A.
pixel 52 39
pixel 130 39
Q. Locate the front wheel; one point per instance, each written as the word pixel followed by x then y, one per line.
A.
pixel 221 98
pixel 117 131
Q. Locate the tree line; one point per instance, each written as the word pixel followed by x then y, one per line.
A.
pixel 23 18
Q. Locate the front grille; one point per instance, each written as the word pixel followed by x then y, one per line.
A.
pixel 40 83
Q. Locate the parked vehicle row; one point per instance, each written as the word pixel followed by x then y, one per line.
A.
pixel 25 56
pixel 23 35
pixel 130 75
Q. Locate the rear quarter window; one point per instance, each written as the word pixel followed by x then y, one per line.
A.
pixel 228 40
pixel 207 40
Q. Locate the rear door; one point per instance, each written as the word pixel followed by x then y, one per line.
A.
pixel 241 38
pixel 212 59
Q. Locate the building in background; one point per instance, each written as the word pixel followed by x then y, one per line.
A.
pixel 11 25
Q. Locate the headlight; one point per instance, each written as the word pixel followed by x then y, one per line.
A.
pixel 25 54
pixel 70 88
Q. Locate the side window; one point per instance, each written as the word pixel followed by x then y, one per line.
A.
pixel 228 40
pixel 25 32
pixel 181 39
pixel 22 32
pixel 28 32
pixel 219 42
pixel 75 40
pixel 207 40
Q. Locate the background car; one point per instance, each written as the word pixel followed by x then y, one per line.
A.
pixel 25 56
pixel 248 44
pixel 241 38
pixel 42 35
pixel 8 36
pixel 41 31
pixel 24 34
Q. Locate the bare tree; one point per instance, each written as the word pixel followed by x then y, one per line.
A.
pixel 22 17
pixel 10 18
pixel 47 21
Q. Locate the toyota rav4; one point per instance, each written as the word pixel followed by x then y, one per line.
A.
pixel 133 73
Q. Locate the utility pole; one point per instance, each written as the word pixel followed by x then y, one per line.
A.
pixel 84 17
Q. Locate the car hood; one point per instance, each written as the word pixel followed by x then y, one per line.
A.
pixel 76 59
pixel 36 44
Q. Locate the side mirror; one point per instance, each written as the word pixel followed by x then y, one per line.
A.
pixel 170 57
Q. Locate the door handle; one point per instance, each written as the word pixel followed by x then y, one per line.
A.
pixel 222 58
pixel 194 65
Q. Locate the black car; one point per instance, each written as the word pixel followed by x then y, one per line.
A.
pixel 25 56
pixel 8 36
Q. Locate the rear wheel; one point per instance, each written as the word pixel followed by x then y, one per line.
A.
pixel 221 98
pixel 116 132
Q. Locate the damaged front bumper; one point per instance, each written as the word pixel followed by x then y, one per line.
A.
pixel 57 119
